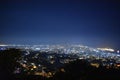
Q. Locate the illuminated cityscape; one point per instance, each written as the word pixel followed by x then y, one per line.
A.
pixel 59 40
pixel 45 60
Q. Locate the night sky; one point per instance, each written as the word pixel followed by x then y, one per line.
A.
pixel 94 22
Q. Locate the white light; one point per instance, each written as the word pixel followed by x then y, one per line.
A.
pixel 3 45
pixel 118 51
pixel 106 49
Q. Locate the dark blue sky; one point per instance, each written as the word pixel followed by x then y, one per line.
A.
pixel 93 22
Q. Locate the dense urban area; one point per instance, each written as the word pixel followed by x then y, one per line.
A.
pixel 58 62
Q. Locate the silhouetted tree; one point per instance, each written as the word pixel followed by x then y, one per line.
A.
pixel 8 62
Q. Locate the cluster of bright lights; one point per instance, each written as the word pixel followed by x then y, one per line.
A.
pixel 3 45
pixel 106 49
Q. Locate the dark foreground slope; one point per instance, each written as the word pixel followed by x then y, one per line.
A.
pixel 80 70
pixel 77 70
